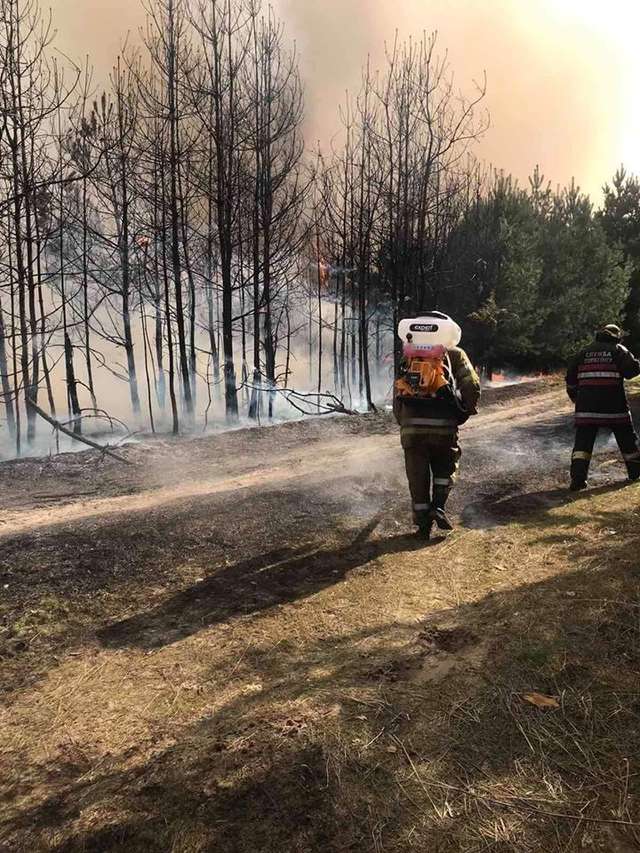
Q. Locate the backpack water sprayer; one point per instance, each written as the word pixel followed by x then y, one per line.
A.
pixel 426 367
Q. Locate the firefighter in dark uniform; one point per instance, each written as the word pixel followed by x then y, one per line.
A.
pixel 595 383
pixel 429 436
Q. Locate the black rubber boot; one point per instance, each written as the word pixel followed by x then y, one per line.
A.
pixel 425 530
pixel 440 518
pixel 438 515
pixel 633 470
pixel 579 471
pixel 424 522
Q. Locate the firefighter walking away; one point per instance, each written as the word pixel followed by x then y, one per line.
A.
pixel 436 391
pixel 595 383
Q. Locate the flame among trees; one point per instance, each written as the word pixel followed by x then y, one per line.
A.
pixel 173 232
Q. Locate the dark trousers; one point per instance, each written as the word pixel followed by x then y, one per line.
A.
pixel 583 449
pixel 431 464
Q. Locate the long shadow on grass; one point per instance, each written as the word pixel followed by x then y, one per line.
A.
pixel 497 509
pixel 349 746
pixel 251 587
pixel 315 760
pixel 65 582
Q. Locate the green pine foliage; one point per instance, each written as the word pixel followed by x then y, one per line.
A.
pixel 620 218
pixel 532 273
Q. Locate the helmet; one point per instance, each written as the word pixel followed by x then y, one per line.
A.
pixel 611 332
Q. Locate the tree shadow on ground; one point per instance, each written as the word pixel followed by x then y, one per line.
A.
pixel 178 802
pixel 356 743
pixel 359 743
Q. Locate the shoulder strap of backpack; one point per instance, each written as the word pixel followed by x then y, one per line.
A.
pixel 449 373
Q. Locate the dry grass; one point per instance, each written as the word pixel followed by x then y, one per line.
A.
pixel 351 692
pixel 384 712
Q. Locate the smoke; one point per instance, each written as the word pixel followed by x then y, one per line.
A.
pixel 97 29
pixel 506 378
pixel 115 422
pixel 562 74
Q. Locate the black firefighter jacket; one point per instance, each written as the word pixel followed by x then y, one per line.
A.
pixel 595 383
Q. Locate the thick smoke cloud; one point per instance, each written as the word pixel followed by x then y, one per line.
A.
pixel 562 74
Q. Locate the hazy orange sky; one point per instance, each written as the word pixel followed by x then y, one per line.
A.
pixel 563 75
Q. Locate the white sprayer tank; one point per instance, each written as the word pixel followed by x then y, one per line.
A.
pixel 429 332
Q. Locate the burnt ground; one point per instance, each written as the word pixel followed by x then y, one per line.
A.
pixel 82 527
pixel 235 643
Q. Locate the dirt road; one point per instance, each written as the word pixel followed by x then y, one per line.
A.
pixel 78 524
pixel 139 601
pixel 81 528
pixel 333 458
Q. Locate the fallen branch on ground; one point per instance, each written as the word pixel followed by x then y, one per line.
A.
pixel 76 436
pixel 325 403
pixel 98 415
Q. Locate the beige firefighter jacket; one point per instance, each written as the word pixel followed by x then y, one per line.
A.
pixel 440 415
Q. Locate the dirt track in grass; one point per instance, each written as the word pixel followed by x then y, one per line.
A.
pixel 192 645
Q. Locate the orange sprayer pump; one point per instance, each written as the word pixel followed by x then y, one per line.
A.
pixel 426 368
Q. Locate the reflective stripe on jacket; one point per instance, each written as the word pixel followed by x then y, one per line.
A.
pixel 595 383
pixel 439 415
